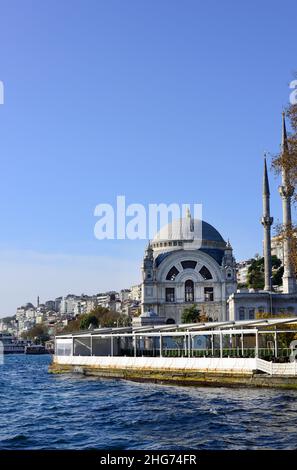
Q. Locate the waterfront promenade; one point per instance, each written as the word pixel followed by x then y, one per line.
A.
pixel 247 353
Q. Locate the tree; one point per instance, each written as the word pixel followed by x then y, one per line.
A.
pixel 193 315
pixel 109 318
pixel 287 159
pixel 98 317
pixel 284 339
pixel 38 334
pixel 72 326
pixel 8 319
pixel 88 320
pixel 255 277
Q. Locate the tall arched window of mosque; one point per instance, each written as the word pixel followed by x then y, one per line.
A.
pixel 189 291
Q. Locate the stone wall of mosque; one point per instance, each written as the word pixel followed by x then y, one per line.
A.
pixel 214 310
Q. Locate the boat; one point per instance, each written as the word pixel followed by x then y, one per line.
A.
pixel 36 349
pixel 11 345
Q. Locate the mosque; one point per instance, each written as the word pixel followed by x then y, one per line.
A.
pixel 189 262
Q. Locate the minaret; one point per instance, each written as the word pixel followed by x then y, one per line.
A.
pixel 148 264
pixel 189 220
pixel 286 191
pixel 147 291
pixel 267 221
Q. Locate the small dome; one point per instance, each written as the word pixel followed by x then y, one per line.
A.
pixel 28 305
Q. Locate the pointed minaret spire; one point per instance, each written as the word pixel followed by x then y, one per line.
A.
pixel 149 250
pixel 189 219
pixel 284 134
pixel 266 190
pixel 267 221
pixel 286 191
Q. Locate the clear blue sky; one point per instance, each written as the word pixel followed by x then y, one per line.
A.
pixel 159 100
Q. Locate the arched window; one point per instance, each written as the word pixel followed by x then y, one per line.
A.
pixel 251 314
pixel 188 264
pixel 169 294
pixel 172 273
pixel 189 291
pixel 205 273
pixel 241 313
pixel 208 294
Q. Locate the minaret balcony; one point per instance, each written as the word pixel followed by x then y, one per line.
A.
pixel 267 221
pixel 286 191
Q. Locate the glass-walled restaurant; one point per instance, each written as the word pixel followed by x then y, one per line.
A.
pixel 271 339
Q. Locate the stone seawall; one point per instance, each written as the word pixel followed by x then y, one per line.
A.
pixel 181 371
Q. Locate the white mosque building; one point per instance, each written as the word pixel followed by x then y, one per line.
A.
pixel 183 266
pixel 188 262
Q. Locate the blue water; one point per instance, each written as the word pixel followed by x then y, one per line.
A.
pixel 44 411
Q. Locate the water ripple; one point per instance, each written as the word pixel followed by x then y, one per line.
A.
pixel 44 411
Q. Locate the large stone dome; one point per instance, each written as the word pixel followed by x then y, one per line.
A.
pixel 187 234
pixel 187 229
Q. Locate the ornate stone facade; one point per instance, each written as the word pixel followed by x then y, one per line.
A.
pixel 187 263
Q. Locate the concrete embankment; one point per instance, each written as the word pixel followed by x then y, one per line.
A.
pixel 179 371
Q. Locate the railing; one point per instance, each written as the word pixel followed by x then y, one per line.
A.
pixel 263 353
pixel 265 366
pixel 250 365
pixel 272 368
